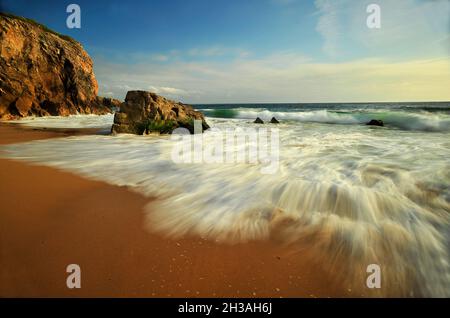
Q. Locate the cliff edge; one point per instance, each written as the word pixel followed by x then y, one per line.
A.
pixel 44 73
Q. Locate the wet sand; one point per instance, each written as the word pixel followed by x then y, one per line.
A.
pixel 51 218
pixel 14 133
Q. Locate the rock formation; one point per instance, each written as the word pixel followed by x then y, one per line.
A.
pixel 45 73
pixel 111 103
pixel 274 121
pixel 145 112
pixel 375 122
pixel 258 121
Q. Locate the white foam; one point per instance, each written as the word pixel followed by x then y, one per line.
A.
pixel 71 122
pixel 395 119
pixel 360 195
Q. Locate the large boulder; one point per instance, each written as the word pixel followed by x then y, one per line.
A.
pixel 44 73
pixel 145 112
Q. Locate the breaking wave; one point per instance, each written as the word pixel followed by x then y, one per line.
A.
pixel 420 121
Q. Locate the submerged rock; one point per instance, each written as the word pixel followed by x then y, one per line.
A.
pixel 258 121
pixel 375 122
pixel 274 121
pixel 44 73
pixel 145 112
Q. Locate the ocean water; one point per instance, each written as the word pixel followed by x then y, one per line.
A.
pixel 355 194
pixel 406 116
pixel 68 122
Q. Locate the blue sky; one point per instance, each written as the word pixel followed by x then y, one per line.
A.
pixel 221 51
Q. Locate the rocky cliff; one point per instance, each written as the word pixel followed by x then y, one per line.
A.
pixel 145 112
pixel 45 73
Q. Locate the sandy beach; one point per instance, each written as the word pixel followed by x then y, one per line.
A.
pixel 50 218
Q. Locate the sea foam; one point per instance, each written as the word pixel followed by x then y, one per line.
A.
pixel 356 195
pixel 68 122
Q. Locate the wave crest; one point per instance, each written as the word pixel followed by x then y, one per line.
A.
pixel 424 121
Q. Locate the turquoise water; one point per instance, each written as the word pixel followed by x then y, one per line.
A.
pixel 406 116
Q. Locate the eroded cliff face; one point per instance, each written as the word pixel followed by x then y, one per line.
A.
pixel 44 73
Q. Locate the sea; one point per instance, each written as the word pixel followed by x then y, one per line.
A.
pixel 355 194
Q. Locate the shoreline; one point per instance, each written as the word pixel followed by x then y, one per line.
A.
pixel 68 219
pixel 14 132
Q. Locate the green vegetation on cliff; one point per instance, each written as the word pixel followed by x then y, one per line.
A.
pixel 43 27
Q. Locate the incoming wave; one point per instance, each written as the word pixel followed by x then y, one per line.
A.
pixel 421 121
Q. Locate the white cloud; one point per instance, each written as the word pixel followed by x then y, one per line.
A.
pixel 407 59
pixel 160 58
pixel 217 51
pixel 168 91
pixel 283 77
pixel 407 27
pixel 329 25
